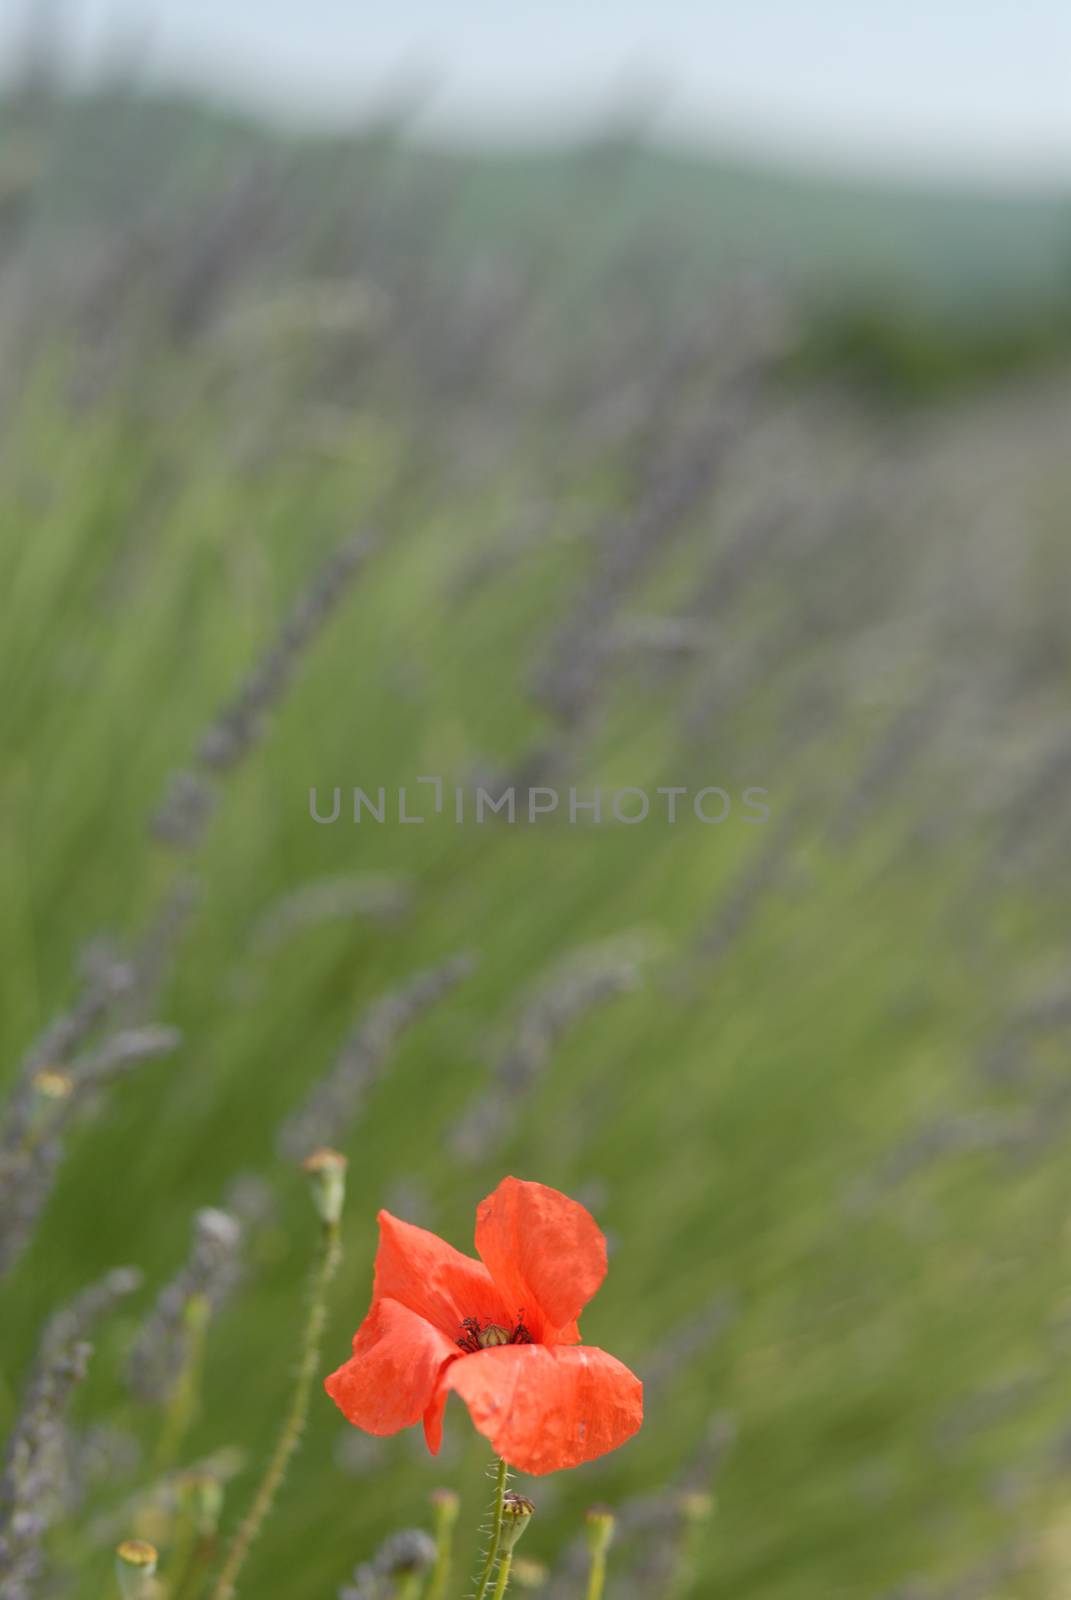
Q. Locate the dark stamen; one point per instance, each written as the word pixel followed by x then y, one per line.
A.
pixel 477 1336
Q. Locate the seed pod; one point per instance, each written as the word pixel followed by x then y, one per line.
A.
pixel 135 1568
pixel 326 1170
pixel 517 1513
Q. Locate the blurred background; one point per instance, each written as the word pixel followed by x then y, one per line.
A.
pixel 542 398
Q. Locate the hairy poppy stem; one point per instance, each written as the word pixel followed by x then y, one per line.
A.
pixel 290 1433
pixel 503 1575
pixel 501 1479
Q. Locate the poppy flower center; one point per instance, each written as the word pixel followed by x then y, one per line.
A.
pixel 477 1335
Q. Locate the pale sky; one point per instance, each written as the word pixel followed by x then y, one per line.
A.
pixel 962 87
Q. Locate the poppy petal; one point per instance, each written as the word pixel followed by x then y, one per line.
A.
pixel 423 1272
pixel 433 1418
pixel 544 1251
pixel 545 1407
pixel 393 1375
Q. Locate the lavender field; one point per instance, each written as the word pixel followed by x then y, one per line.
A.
pixel 689 550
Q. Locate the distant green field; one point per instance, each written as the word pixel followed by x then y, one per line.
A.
pixel 835 1238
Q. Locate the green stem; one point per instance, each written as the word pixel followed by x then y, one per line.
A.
pixel 503 1575
pixel 183 1402
pixel 290 1433
pixel 440 1573
pixel 501 1479
pixel 445 1519
pixel 696 1510
pixel 198 1564
pixel 597 1576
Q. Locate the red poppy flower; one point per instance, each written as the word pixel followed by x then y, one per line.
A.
pixel 501 1332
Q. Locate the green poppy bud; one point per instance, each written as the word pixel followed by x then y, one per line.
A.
pixel 600 1529
pixel 326 1170
pixel 135 1568
pixel 517 1513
